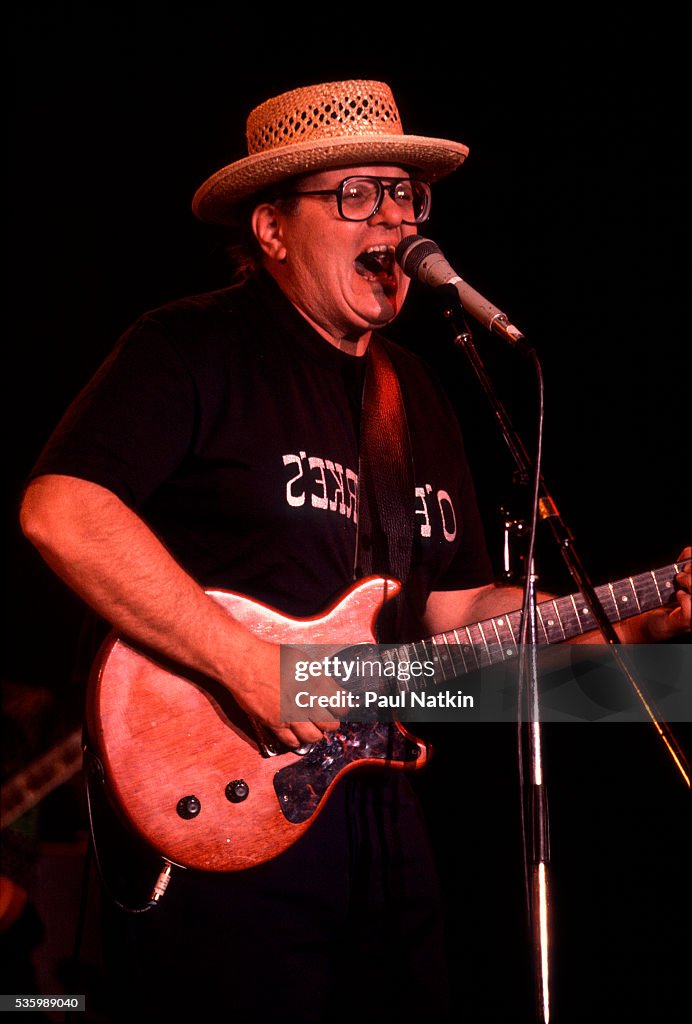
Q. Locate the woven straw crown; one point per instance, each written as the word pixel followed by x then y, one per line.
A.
pixel 316 128
pixel 354 108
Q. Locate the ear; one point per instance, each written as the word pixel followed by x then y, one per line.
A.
pixel 267 226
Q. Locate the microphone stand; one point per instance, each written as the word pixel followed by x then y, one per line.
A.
pixel 536 878
pixel 548 511
pixel 543 505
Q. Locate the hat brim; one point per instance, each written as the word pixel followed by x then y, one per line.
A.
pixel 217 200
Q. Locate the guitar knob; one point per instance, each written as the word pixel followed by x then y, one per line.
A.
pixel 237 791
pixel 188 807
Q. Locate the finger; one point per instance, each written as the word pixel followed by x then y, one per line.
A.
pixel 684 609
pixel 286 735
pixel 330 725
pixel 307 732
pixel 675 620
pixel 327 725
pixel 684 578
pixel 298 734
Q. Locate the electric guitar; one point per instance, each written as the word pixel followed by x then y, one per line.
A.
pixel 197 780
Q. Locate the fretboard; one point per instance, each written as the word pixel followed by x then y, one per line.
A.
pixel 496 640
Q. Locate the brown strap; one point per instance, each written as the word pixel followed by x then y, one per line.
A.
pixel 385 484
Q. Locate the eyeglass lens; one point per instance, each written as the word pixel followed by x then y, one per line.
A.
pixel 361 197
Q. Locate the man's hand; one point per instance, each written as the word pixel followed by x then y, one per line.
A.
pixel 665 623
pixel 670 621
pixel 268 688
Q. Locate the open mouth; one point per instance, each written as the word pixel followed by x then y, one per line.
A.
pixel 376 262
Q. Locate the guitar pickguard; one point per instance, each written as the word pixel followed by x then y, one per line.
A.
pixel 300 786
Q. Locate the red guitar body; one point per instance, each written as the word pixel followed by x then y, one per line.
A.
pixel 188 771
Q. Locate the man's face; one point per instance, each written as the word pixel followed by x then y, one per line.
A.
pixel 318 254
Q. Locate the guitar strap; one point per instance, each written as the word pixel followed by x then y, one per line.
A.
pixel 384 538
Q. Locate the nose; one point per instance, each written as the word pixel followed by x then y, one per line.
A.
pixel 389 212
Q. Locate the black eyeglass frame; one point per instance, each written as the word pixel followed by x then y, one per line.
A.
pixel 383 189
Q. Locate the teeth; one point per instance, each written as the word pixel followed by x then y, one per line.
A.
pixel 374 261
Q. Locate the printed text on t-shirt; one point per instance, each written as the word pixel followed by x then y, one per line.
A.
pixel 326 484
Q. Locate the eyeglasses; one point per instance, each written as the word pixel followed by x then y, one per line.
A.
pixel 359 198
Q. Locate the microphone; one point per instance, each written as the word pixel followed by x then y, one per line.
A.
pixel 423 259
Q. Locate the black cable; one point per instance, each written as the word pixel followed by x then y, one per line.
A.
pixel 161 883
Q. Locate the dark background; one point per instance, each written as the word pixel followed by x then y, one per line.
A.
pixel 567 214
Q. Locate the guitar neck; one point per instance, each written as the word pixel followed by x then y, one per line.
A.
pixel 495 640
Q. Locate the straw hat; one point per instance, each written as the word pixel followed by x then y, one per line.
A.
pixel 336 124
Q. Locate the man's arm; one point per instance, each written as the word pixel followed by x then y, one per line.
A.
pixel 448 609
pixel 115 563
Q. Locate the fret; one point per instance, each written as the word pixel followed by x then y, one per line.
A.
pixel 491 641
pixel 464 650
pixel 655 588
pixel 614 600
pixel 498 646
pixel 623 592
pixel 421 652
pixel 552 622
pixel 556 623
pixel 577 619
pixel 505 636
pixel 456 650
pixel 540 624
pixel 442 656
pixel 569 618
pixel 429 648
pixel 515 625
pixel 613 611
pixel 478 642
pixel 665 582
pixel 467 649
pixel 447 654
pixel 645 591
pixel 587 620
pixel 393 657
pixel 658 590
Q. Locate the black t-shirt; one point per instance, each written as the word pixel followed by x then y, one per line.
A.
pixel 231 427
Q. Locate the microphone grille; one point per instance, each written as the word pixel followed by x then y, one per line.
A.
pixel 411 251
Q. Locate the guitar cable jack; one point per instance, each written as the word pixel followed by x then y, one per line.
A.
pixel 161 884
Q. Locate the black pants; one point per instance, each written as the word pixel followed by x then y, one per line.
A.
pixel 345 925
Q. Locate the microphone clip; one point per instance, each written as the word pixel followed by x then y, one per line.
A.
pixel 453 311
